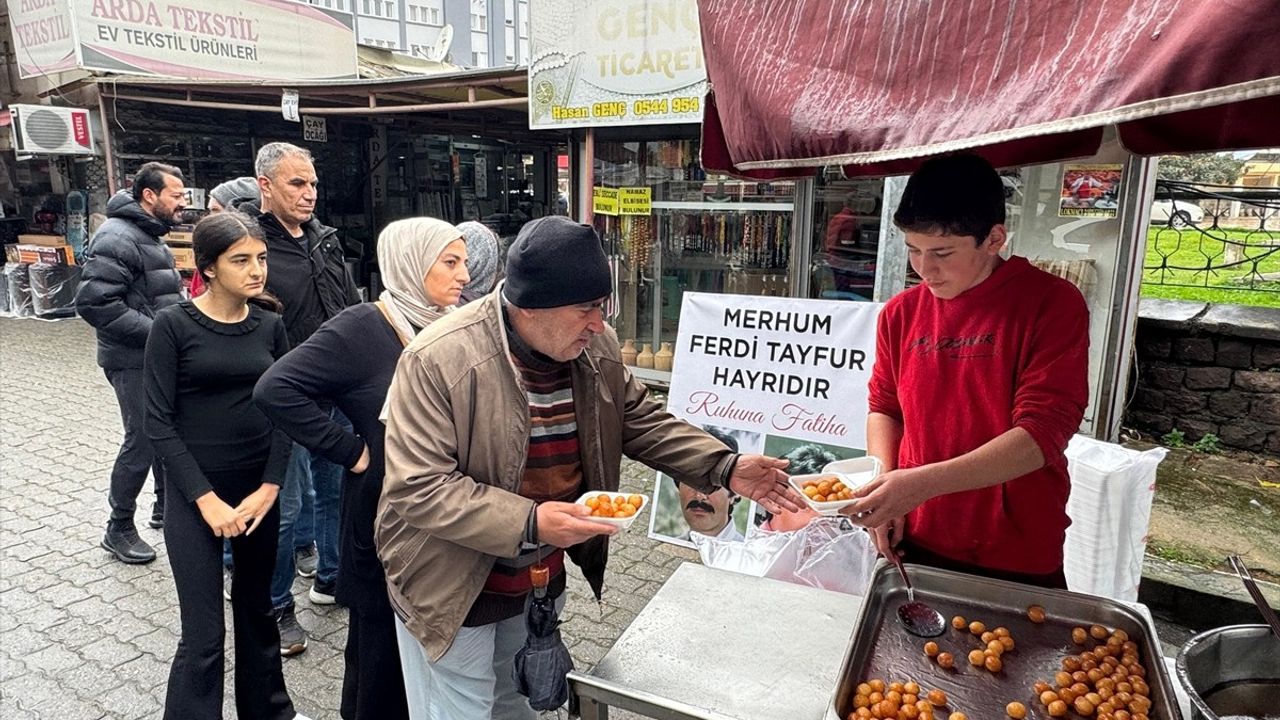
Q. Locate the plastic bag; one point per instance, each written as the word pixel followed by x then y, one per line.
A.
pixel 53 289
pixel 829 553
pixel 752 556
pixel 19 283
pixel 4 295
pixel 1112 488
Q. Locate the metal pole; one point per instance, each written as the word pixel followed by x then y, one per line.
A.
pixel 587 175
pixel 379 110
pixel 106 144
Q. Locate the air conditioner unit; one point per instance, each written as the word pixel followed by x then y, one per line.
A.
pixel 49 130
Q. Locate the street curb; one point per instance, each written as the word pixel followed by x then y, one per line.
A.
pixel 1197 598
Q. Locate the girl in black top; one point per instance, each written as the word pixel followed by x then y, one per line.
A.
pixel 349 362
pixel 226 462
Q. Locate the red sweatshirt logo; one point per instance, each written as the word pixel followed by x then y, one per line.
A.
pixel 959 348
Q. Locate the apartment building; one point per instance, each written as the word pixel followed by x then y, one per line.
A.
pixel 481 33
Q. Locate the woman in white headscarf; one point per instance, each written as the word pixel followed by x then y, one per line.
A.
pixel 349 362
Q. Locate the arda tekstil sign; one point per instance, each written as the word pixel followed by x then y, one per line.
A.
pixel 206 39
pixel 615 62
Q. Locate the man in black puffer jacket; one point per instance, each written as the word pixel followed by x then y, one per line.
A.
pixel 128 276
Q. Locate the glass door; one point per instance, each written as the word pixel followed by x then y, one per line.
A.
pixel 702 233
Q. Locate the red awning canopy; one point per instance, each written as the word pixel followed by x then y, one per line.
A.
pixel 876 85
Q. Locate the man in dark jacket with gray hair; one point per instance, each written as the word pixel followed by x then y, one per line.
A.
pixel 309 275
pixel 128 276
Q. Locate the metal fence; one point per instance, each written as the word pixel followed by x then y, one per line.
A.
pixel 1214 236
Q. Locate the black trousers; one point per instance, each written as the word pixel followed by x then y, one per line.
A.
pixel 373 683
pixel 195 554
pixel 136 456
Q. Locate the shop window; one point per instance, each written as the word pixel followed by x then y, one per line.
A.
pixel 846 237
pixel 705 233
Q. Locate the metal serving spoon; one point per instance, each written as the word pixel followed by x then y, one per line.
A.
pixel 918 618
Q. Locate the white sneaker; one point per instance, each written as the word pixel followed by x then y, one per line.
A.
pixel 300 716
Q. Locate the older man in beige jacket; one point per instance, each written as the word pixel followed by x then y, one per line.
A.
pixel 500 415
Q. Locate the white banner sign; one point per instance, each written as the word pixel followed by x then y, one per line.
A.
pixel 779 376
pixel 289 105
pixel 43 41
pixel 615 62
pixel 208 39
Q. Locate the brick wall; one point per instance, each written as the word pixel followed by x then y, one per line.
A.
pixel 1204 370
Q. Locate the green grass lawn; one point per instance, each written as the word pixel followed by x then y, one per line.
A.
pixel 1212 266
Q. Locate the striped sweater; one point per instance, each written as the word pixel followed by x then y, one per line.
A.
pixel 553 472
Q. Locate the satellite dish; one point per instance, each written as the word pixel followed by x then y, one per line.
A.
pixel 438 52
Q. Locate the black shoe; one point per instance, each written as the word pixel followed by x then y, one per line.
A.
pixel 306 559
pixel 122 541
pixel 322 593
pixel 293 639
pixel 157 516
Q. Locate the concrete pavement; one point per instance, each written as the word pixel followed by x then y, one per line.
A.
pixel 84 637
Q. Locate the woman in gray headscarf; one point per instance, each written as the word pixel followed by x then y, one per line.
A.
pixel 231 193
pixel 349 362
pixel 482 259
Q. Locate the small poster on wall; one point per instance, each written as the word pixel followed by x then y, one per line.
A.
pixel 1090 191
pixel 780 376
pixel 482 176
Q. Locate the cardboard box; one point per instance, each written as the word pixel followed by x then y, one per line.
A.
pixel 52 255
pixel 45 240
pixel 176 237
pixel 184 258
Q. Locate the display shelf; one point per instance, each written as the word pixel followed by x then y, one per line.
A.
pixel 722 206
pixel 651 377
pixel 715 264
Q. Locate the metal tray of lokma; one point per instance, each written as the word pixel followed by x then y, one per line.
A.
pixel 881 649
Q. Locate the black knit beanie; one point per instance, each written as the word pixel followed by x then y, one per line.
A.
pixel 556 262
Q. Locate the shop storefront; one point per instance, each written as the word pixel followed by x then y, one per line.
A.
pixel 474 159
pixel 697 233
pixel 829 238
pixel 818 234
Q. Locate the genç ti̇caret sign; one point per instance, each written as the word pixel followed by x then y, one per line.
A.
pixel 615 62
pixel 204 39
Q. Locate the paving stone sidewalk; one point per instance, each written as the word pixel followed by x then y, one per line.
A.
pixel 84 637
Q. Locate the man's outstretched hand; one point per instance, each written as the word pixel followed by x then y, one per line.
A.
pixel 764 479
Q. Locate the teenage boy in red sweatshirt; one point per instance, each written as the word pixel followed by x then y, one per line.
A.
pixel 981 377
